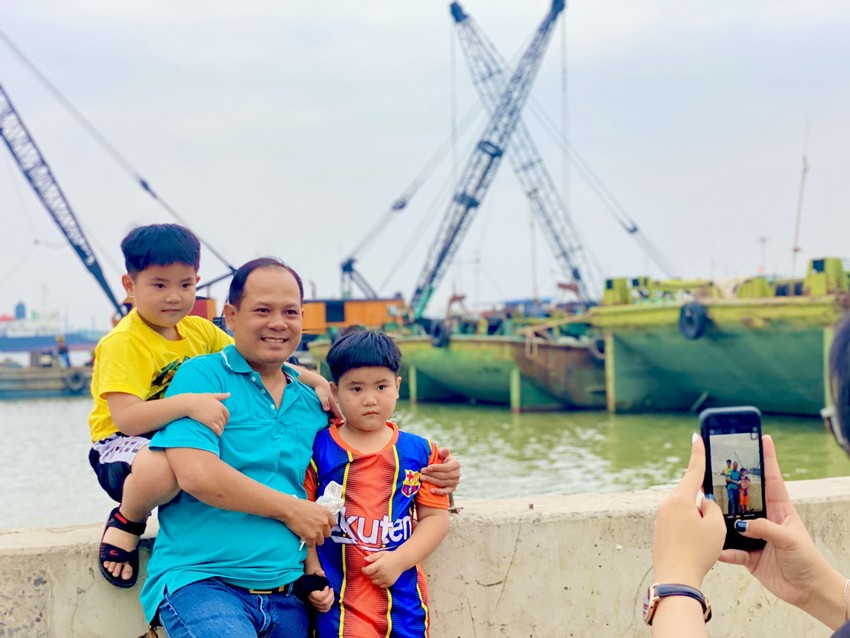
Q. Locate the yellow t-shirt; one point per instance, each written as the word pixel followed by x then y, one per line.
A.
pixel 134 359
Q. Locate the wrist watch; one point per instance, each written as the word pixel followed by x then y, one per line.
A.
pixel 658 591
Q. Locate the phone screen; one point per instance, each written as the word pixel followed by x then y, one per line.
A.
pixel 734 467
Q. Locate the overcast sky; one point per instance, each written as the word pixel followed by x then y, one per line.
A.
pixel 288 129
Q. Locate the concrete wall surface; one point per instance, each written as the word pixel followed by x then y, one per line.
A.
pixel 532 567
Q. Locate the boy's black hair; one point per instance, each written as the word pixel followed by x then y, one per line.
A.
pixel 160 245
pixel 363 349
pixel 237 284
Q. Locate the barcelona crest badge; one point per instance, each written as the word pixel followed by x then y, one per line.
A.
pixel 411 483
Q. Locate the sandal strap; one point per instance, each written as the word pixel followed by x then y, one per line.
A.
pixel 117 554
pixel 119 521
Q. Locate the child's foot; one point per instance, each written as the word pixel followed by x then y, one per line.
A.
pixel 119 554
pixel 124 541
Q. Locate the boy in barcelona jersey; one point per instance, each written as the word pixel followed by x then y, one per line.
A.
pixel 389 522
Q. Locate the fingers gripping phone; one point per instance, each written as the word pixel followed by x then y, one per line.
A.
pixel 734 468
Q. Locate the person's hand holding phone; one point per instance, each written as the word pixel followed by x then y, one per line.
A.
pixel 688 537
pixel 790 565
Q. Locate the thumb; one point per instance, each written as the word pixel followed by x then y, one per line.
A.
pixel 221 396
pixel 709 508
pixel 371 558
pixel 775 534
pixel 443 453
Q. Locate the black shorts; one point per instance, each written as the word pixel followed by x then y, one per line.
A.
pixel 112 461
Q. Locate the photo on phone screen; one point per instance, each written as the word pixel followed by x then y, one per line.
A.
pixel 734 467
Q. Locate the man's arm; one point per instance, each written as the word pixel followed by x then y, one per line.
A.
pixel 212 481
pixel 385 567
pixel 320 386
pixel 133 417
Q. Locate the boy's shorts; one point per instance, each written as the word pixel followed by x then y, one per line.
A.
pixel 112 458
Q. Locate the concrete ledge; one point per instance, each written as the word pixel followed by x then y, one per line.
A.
pixel 537 567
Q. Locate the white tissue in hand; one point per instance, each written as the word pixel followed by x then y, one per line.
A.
pixel 332 498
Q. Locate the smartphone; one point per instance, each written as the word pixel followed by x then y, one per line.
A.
pixel 734 468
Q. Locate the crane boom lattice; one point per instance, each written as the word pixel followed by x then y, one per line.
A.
pixel 37 172
pixel 487 69
pixel 483 164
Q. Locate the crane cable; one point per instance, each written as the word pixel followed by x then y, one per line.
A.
pixel 419 231
pixel 424 174
pixel 602 191
pixel 13 178
pixel 103 142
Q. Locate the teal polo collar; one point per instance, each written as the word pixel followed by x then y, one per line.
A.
pixel 234 361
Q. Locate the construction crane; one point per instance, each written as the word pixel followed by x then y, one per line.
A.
pixel 486 67
pixel 483 164
pixel 350 275
pixel 38 174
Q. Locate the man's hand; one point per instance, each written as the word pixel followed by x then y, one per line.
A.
pixel 384 568
pixel 445 475
pixel 327 399
pixel 322 388
pixel 207 408
pixel 309 521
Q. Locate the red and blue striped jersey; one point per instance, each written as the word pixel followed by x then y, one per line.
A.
pixel 380 491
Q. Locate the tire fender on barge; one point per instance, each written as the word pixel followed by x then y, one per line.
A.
pixel 439 335
pixel 75 382
pixel 693 318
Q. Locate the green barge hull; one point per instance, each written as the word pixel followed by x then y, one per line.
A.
pixel 525 374
pixel 771 353
pixel 33 382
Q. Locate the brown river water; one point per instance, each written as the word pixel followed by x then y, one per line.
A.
pixel 46 480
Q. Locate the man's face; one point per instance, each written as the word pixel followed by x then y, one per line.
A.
pixel 267 324
pixel 735 465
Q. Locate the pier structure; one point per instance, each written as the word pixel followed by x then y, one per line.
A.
pixel 538 567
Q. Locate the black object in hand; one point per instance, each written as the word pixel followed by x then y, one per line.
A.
pixel 308 583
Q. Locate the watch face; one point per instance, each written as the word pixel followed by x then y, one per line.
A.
pixel 649 603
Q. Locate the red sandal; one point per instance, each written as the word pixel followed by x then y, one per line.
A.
pixel 110 553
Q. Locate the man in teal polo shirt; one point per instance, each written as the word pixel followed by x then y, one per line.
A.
pixel 229 546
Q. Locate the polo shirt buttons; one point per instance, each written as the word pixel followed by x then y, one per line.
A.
pixel 272 406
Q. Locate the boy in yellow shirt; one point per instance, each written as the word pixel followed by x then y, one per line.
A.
pixel 133 366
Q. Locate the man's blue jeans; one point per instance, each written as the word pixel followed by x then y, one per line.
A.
pixel 211 609
pixel 732 497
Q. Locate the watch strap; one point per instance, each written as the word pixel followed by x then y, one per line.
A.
pixel 663 590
